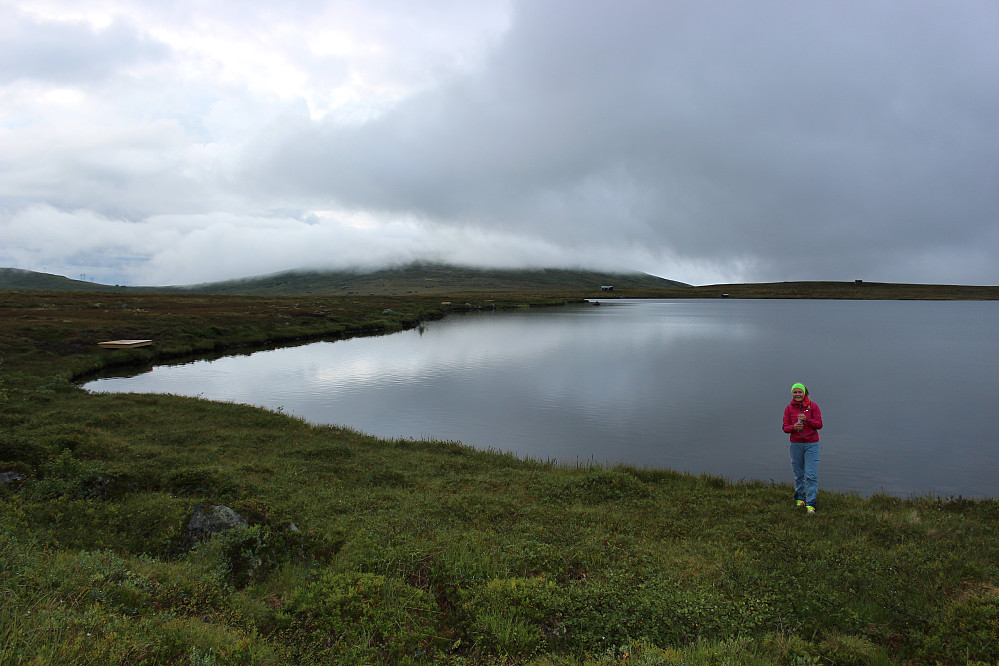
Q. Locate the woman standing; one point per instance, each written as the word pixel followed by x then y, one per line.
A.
pixel 803 420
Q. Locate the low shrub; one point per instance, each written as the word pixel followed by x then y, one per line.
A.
pixel 146 523
pixel 599 485
pixel 66 476
pixel 239 556
pixel 361 617
pixel 20 449
pixel 200 482
pixel 969 627
pixel 515 617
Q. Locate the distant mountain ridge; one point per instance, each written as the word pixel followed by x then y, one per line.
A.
pixel 420 278
pixel 20 278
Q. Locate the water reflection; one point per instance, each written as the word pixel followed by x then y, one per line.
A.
pixel 691 385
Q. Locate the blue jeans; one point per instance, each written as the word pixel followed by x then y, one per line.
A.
pixel 805 463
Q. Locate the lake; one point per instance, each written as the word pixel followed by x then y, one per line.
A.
pixel 907 388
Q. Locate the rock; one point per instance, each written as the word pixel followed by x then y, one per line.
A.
pixel 208 520
pixel 389 311
pixel 10 477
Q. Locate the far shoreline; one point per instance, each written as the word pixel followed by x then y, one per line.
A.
pixel 856 290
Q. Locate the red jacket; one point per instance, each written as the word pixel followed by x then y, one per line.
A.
pixel 813 421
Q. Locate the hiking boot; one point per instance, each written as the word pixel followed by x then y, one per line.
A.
pixel 810 509
pixel 800 503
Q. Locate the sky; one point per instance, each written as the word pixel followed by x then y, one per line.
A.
pixel 152 142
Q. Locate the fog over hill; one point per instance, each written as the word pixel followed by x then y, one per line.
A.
pixel 414 278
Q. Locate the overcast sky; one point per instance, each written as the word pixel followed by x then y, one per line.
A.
pixel 183 141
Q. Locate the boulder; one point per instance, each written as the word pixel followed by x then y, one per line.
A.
pixel 211 519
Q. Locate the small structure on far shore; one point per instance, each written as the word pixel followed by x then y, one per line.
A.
pixel 124 344
pixel 607 287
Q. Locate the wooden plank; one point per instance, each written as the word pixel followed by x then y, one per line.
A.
pixel 125 344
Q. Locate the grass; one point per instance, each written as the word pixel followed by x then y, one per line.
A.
pixel 360 550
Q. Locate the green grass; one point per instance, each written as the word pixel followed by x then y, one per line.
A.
pixel 360 550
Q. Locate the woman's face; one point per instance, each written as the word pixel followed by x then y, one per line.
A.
pixel 797 395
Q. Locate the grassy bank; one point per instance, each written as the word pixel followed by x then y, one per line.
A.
pixel 358 550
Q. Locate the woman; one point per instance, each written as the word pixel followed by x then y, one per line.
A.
pixel 803 420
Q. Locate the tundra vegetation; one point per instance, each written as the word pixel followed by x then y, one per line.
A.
pixel 353 549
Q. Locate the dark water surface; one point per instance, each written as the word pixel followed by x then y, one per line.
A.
pixel 907 388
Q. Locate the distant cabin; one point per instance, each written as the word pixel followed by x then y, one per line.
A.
pixel 607 287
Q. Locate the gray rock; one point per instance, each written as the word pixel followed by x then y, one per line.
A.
pixel 10 477
pixel 208 520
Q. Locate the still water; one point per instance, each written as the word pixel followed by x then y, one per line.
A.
pixel 907 389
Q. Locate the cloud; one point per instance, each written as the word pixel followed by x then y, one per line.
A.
pixel 706 133
pixel 699 141
pixel 187 249
pixel 70 52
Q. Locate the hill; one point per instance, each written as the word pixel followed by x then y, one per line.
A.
pixel 430 279
pixel 414 278
pixel 19 278
pixel 424 278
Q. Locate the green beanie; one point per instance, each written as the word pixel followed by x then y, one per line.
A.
pixel 801 386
